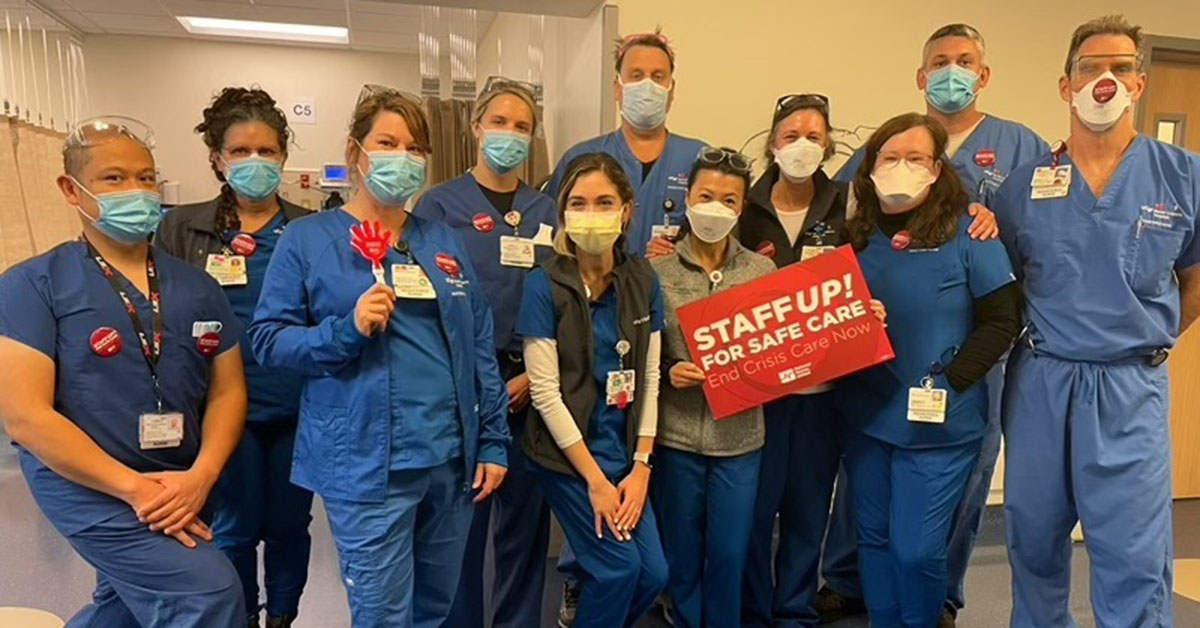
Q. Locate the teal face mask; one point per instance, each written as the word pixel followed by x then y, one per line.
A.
pixel 950 89
pixel 254 178
pixel 394 176
pixel 128 217
pixel 505 150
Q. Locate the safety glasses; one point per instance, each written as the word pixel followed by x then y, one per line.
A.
pixel 104 129
pixel 372 90
pixel 711 156
pixel 1088 67
pixel 787 105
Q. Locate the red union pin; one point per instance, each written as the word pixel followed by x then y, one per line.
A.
pixel 106 342
pixel 483 223
pixel 766 249
pixel 244 244
pixel 207 344
pixel 447 263
pixel 985 158
pixel 371 241
pixel 901 240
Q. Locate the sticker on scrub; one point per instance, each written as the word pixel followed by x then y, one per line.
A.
pixel 516 252
pixel 410 282
pixel 199 328
pixel 809 252
pixel 927 404
pixel 228 270
pixel 1051 182
pixel 545 235
pixel 620 388
pixel 160 431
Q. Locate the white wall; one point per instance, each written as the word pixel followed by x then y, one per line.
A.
pixel 167 83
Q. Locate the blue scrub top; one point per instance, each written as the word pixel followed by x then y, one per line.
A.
pixel 662 195
pixel 993 150
pixel 273 396
pixel 607 428
pixel 457 202
pixel 53 303
pixel 1099 274
pixel 929 295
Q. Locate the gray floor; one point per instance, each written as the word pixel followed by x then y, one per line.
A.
pixel 38 569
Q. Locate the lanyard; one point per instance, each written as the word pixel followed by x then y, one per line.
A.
pixel 151 346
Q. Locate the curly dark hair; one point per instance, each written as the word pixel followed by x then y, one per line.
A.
pixel 235 105
pixel 935 221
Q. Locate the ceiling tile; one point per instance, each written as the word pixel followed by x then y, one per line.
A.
pixel 340 5
pixel 390 40
pixel 136 7
pixel 140 24
pixel 325 16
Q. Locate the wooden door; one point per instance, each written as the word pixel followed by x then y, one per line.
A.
pixel 1172 114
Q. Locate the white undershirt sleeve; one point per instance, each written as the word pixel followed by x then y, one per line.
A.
pixel 541 365
pixel 648 422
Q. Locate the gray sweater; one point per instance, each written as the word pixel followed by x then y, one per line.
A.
pixel 685 421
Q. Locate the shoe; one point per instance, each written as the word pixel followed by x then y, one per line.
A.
pixel 668 611
pixel 284 621
pixel 832 606
pixel 947 619
pixel 570 603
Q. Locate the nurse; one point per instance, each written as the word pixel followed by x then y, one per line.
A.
pixel 591 319
pixel 655 161
pixel 953 311
pixel 505 226
pixel 121 387
pixel 402 419
pixel 983 149
pixel 233 237
pixel 1104 233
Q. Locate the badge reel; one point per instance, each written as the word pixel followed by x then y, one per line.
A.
pixel 409 281
pixel 621 385
pixel 818 231
pixel 666 230
pixel 927 404
pixel 228 270
pixel 1053 181
pixel 515 251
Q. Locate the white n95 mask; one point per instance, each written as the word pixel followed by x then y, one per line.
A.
pixel 1102 102
pixel 711 221
pixel 800 159
pixel 899 185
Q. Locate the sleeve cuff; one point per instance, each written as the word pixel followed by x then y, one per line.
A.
pixel 493 452
pixel 346 334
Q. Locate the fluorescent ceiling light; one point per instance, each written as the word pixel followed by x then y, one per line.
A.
pixel 265 30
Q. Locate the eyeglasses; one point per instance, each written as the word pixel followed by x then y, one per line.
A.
pixel 104 129
pixel 1088 67
pixel 496 83
pixel 710 156
pixel 786 105
pixel 372 90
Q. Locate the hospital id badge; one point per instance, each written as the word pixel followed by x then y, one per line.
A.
pixel 228 270
pixel 927 404
pixel 516 252
pixel 809 252
pixel 161 430
pixel 620 388
pixel 664 231
pixel 410 282
pixel 1050 182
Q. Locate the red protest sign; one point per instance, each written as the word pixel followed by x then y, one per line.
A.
pixel 795 328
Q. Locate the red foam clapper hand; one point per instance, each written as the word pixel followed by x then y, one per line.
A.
pixel 371 241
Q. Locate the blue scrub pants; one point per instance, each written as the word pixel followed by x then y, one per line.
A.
pixel 969 517
pixel 1088 442
pixel 145 579
pixel 799 463
pixel 839 557
pixel 619 579
pixel 400 558
pixel 904 503
pixel 258 503
pixel 705 506
pixel 520 531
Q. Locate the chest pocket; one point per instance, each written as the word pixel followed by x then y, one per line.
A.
pixel 1151 261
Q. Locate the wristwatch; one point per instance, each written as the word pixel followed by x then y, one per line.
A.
pixel 643 458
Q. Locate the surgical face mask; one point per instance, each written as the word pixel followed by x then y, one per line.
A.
pixel 594 232
pixel 1101 102
pixel 644 104
pixel 505 150
pixel 711 221
pixel 394 177
pixel 254 178
pixel 800 159
pixel 128 217
pixel 950 89
pixel 900 185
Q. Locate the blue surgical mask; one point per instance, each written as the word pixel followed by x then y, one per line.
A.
pixel 505 150
pixel 951 89
pixel 254 178
pixel 394 177
pixel 129 217
pixel 644 104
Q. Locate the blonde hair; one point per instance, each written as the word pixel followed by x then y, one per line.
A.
pixel 487 96
pixel 588 163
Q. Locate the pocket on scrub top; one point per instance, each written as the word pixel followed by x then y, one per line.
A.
pixel 1151 262
pixel 321 438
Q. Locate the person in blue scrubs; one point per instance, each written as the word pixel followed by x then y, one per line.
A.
pixel 121 386
pixel 505 226
pixel 591 320
pixel 655 161
pixel 1105 232
pixel 403 414
pixel 983 149
pixel 916 421
pixel 233 237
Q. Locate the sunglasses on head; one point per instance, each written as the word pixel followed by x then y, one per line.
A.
pixel 790 103
pixel 711 156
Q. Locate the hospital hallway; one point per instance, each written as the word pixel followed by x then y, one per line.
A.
pixel 41 571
